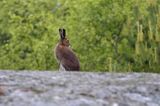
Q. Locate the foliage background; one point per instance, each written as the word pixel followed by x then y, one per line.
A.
pixel 107 35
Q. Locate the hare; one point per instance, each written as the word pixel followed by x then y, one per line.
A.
pixel 64 54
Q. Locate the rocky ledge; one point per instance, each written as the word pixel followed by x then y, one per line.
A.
pixel 34 88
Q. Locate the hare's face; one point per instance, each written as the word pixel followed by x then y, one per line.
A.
pixel 65 42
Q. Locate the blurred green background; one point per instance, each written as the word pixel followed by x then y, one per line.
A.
pixel 107 35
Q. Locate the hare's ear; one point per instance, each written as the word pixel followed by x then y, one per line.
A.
pixel 62 33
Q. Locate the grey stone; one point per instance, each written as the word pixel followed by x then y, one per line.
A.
pixel 47 88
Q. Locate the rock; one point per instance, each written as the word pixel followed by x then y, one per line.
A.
pixel 1 91
pixel 37 88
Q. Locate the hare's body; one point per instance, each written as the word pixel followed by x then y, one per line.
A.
pixel 65 56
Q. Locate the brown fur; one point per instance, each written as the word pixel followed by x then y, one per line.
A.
pixel 66 56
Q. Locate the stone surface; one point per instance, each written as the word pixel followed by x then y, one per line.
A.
pixel 34 88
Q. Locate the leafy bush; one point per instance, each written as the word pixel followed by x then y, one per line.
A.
pixel 106 35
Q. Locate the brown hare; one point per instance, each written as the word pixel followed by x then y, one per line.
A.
pixel 65 56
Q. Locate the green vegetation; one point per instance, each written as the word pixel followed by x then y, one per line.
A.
pixel 107 35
